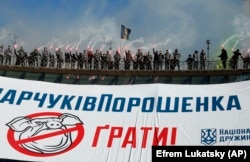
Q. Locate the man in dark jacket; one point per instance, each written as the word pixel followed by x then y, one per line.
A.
pixel 223 57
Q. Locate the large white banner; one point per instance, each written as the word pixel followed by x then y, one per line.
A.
pixel 42 121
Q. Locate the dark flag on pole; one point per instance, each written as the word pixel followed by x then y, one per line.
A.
pixel 125 32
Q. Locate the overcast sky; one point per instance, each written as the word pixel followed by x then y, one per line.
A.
pixel 163 24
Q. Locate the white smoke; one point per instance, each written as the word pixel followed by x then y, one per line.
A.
pixel 163 24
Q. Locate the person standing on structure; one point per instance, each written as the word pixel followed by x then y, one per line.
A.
pixel 223 57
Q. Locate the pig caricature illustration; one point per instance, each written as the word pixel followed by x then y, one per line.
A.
pixel 27 128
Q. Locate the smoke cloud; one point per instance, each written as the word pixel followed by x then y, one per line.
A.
pixel 161 24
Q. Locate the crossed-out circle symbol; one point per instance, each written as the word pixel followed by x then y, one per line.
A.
pixel 16 143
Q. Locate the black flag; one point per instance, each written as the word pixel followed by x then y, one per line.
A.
pixel 125 32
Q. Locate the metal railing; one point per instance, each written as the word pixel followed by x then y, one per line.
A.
pixel 118 65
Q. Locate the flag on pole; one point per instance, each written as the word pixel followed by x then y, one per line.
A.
pixel 125 32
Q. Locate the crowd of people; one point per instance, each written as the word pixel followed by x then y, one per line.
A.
pixel 89 59
pixel 233 61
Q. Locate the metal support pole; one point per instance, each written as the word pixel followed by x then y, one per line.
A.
pixel 208 60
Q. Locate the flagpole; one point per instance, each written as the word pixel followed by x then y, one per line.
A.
pixel 120 45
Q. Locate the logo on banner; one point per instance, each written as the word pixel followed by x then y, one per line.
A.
pixel 208 136
pixel 45 134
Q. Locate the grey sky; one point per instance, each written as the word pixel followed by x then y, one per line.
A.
pixel 163 24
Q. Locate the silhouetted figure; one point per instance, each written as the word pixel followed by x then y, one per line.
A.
pixel 234 59
pixel 156 59
pixel 90 58
pixel 8 55
pixel 1 54
pixel 177 56
pixel 21 57
pixel 203 59
pixel 85 59
pixel 73 60
pixel 109 61
pixel 45 56
pixel 161 58
pixel 148 61
pixel 223 57
pixel 246 61
pixel 127 60
pixel 117 59
pixel 190 61
pixel 79 64
pixel 34 57
pixel 167 60
pixel 104 63
pixel 52 60
pixel 139 59
pixel 67 59
pixel 59 58
pixel 196 60
pixel 97 59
